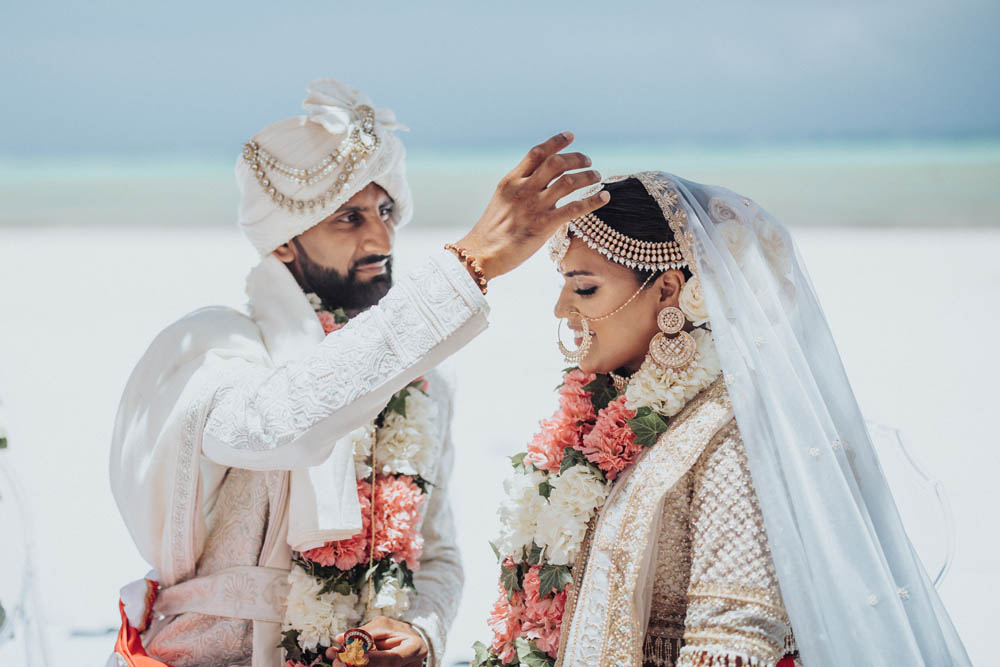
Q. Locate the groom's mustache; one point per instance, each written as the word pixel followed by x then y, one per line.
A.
pixel 370 259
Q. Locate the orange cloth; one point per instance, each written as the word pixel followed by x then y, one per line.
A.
pixel 129 645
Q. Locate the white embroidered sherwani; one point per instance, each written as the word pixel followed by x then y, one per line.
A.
pixel 219 410
pixel 677 568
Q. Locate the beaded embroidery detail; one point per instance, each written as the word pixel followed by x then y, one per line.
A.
pixel 360 142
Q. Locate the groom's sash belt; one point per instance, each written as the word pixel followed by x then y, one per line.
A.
pixel 253 593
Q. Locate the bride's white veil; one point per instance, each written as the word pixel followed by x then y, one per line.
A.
pixel 853 585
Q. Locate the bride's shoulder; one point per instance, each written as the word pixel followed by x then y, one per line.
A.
pixel 707 412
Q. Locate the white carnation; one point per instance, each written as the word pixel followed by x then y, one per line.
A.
pixel 576 494
pixel 318 617
pixel 391 600
pixel 406 445
pixel 665 391
pixel 519 512
pixel 361 440
pixel 692 302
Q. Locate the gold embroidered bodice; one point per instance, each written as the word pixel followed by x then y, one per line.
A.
pixel 715 591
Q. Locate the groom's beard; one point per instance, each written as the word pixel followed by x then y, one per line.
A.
pixel 340 291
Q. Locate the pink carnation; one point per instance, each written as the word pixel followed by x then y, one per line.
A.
pixel 345 554
pixel 329 324
pixel 545 451
pixel 542 618
pixel 574 401
pixel 505 622
pixel 566 427
pixel 611 444
pixel 397 517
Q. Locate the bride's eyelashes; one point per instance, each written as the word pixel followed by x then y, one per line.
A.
pixel 585 291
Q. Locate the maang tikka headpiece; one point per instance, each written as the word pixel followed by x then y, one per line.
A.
pixel 635 254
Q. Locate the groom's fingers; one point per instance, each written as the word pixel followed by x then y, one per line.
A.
pixel 555 166
pixel 576 209
pixel 537 155
pixel 570 183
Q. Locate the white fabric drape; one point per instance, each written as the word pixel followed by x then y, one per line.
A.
pixel 855 590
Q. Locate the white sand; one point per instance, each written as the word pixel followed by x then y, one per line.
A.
pixel 915 313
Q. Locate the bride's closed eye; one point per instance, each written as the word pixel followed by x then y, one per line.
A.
pixel 585 291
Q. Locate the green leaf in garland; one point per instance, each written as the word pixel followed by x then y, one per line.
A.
pixel 553 578
pixel 647 426
pixel 510 579
pixel 534 554
pixel 571 457
pixel 544 489
pixel 290 644
pixel 422 483
pixel 484 657
pixel 3 443
pixel 334 580
pixel 339 316
pixel 529 656
pixel 518 461
pixel 397 403
pixel 602 391
pixel 406 576
pixel 496 552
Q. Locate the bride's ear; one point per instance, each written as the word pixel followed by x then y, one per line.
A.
pixel 671 283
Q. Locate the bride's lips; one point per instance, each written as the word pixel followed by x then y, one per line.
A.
pixel 578 336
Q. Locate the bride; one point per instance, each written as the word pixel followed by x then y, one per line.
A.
pixel 707 484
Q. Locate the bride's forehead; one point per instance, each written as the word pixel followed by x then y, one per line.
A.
pixel 582 259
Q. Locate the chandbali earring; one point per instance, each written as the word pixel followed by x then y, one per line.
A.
pixel 678 350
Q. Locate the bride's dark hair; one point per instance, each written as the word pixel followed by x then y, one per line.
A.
pixel 634 213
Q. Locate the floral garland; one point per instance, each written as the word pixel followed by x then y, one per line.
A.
pixel 561 482
pixel 334 587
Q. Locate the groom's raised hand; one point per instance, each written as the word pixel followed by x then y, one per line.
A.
pixel 523 213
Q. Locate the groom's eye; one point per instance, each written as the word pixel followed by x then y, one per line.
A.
pixel 586 291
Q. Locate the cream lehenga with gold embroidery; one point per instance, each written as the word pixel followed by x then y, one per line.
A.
pixel 679 548
pixel 762 507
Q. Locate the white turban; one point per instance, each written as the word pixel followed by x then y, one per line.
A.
pixel 274 208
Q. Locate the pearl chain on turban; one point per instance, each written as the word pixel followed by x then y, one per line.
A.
pixel 288 181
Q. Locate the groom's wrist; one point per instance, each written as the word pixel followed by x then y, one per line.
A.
pixel 427 643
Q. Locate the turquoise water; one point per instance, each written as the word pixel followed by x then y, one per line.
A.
pixel 925 184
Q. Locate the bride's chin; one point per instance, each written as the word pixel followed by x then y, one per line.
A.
pixel 591 367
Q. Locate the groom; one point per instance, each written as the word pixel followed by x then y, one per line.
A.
pixel 269 464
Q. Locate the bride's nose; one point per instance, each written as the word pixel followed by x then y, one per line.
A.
pixel 562 309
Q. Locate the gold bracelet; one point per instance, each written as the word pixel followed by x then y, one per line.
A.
pixel 470 262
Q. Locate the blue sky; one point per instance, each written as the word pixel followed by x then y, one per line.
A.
pixel 120 77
